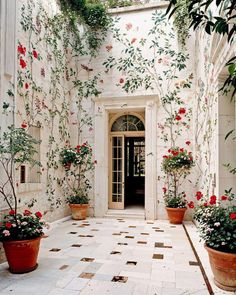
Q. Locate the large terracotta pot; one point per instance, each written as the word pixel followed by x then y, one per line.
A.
pixel 22 255
pixel 223 266
pixel 176 215
pixel 79 211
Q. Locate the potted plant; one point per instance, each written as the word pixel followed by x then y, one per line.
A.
pixel 79 204
pixel 19 232
pixel 176 166
pixel 216 222
pixel 76 183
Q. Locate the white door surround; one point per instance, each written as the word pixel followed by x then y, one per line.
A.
pixel 103 107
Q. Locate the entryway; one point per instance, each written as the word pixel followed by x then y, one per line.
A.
pixel 127 163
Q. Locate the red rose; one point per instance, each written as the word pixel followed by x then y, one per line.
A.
pixel 181 150
pixel 164 189
pixel 224 198
pixel 35 54
pixel 133 40
pixel 95 162
pixel 12 212
pixel 26 85
pixel 165 157
pixel 178 118
pixel 205 204
pixel 24 125
pixel 38 214
pixel 22 63
pixel 27 213
pixel 169 150
pixel 175 153
pixel 191 205
pixel 213 200
pixel 199 195
pixel 21 49
pixel 109 48
pixel 122 80
pixel 8 225
pixel 188 142
pixel 182 111
pixel 232 215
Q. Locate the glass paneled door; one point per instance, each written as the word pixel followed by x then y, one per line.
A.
pixel 116 199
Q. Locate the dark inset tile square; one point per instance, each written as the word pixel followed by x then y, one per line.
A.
pixel 142 242
pixel 173 226
pixel 94 229
pixel 132 226
pixel 119 279
pixel 131 262
pixel 74 223
pixel 76 245
pixel 80 226
pixel 82 236
pixel 193 263
pixel 157 256
pixel 89 236
pixel 86 275
pixel 116 234
pixel 129 237
pixel 155 227
pixel 87 259
pixel 124 232
pixel 98 222
pixel 115 253
pixel 161 245
pixel 159 230
pixel 55 250
pixel 121 221
pixel 122 244
pixel 145 234
pixel 73 232
pixel 150 222
pixel 63 267
pixel 85 224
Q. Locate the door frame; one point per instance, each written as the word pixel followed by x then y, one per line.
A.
pixel 122 134
pixel 104 106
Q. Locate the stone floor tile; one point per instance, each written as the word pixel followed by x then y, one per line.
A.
pixel 77 284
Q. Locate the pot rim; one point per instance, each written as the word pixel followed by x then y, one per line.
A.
pixel 170 208
pixel 22 241
pixel 217 251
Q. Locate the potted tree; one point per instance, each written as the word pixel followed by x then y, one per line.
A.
pixel 216 222
pixel 76 184
pixel 20 233
pixel 176 166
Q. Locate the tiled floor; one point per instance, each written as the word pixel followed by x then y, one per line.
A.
pixel 106 256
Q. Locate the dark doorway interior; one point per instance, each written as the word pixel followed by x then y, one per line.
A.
pixel 134 170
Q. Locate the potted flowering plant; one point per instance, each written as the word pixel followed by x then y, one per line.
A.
pixel 176 165
pixel 20 233
pixel 76 184
pixel 216 222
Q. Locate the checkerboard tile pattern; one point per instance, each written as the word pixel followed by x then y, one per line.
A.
pixel 106 256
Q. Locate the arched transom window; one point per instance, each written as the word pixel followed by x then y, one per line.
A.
pixel 128 123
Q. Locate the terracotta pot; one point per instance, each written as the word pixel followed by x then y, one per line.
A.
pixel 176 215
pixel 22 255
pixel 79 211
pixel 223 266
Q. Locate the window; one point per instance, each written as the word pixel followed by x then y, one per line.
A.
pixel 128 123
pixel 34 171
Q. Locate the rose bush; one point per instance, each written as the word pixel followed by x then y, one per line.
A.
pixel 21 226
pixel 216 221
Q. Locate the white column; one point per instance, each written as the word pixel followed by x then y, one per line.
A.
pixel 101 155
pixel 151 160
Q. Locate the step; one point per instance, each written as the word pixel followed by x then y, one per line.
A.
pixel 126 214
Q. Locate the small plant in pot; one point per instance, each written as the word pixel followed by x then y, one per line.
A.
pixel 79 204
pixel 76 182
pixel 20 233
pixel 176 165
pixel 216 222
